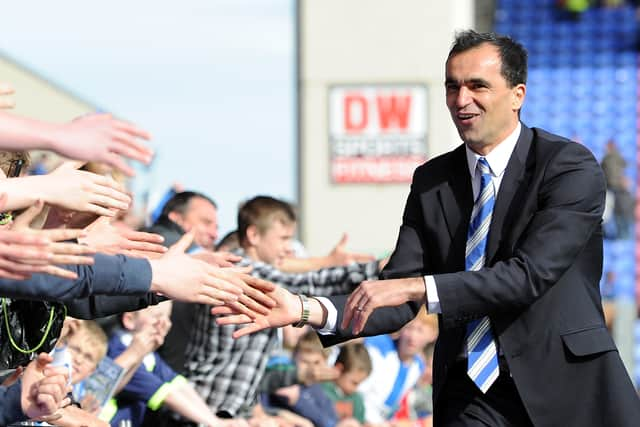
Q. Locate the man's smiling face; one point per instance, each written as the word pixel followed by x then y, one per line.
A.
pixel 483 106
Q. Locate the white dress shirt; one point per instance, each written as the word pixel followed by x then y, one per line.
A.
pixel 497 159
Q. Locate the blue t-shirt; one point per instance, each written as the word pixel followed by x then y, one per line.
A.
pixel 148 388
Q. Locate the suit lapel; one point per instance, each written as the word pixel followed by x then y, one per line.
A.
pixel 456 199
pixel 513 177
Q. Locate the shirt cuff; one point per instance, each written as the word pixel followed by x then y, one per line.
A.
pixel 329 327
pixel 11 404
pixel 433 302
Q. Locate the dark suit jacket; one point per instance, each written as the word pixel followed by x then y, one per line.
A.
pixel 541 285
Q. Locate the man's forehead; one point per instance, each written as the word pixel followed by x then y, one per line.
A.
pixel 485 56
pixel 198 203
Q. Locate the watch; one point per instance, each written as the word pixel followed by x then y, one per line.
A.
pixel 306 310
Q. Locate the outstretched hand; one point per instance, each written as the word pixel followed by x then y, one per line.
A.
pixel 371 295
pixel 24 250
pixel 287 310
pixel 102 138
pixel 83 191
pixel 339 255
pixel 182 277
pixel 44 389
pixel 106 238
pixel 217 258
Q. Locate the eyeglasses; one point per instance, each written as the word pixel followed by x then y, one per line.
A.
pixel 15 168
pixel 82 356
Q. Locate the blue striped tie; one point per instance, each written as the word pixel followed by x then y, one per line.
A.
pixel 482 364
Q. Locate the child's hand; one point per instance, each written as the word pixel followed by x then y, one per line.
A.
pixel 90 404
pixel 163 325
pixel 291 393
pixel 146 340
pixel 44 389
pixel 318 374
pixel 74 417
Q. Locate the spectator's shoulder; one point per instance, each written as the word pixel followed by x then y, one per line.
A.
pixel 419 361
pixel 117 344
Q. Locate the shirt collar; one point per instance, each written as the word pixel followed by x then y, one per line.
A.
pixel 498 157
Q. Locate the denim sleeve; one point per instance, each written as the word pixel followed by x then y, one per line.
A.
pixel 110 275
pixel 10 406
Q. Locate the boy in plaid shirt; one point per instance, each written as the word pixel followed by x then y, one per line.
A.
pixel 225 371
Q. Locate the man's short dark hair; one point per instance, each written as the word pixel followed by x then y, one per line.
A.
pixel 512 54
pixel 180 203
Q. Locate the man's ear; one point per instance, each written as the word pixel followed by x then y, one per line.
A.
pixel 176 217
pixel 518 94
pixel 128 321
pixel 253 235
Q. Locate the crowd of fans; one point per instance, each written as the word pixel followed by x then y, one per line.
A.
pixel 86 297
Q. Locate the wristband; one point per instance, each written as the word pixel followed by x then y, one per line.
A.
pixel 306 311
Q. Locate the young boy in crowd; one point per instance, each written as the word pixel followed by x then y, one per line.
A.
pixel 86 344
pixel 309 366
pixel 287 380
pixel 83 344
pixel 153 383
pixel 397 366
pixel 314 390
pixel 354 366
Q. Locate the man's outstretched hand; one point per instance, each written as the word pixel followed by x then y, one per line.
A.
pixel 373 294
pixel 287 310
pixel 180 276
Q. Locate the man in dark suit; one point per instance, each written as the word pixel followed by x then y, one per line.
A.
pixel 502 237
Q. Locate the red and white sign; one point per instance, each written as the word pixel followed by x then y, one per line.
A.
pixel 377 133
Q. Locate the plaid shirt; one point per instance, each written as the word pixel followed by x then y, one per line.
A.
pixel 227 372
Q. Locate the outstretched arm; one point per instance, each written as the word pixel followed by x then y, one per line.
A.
pixel 95 137
pixel 287 311
pixel 68 188
pixel 144 341
pixel 338 256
